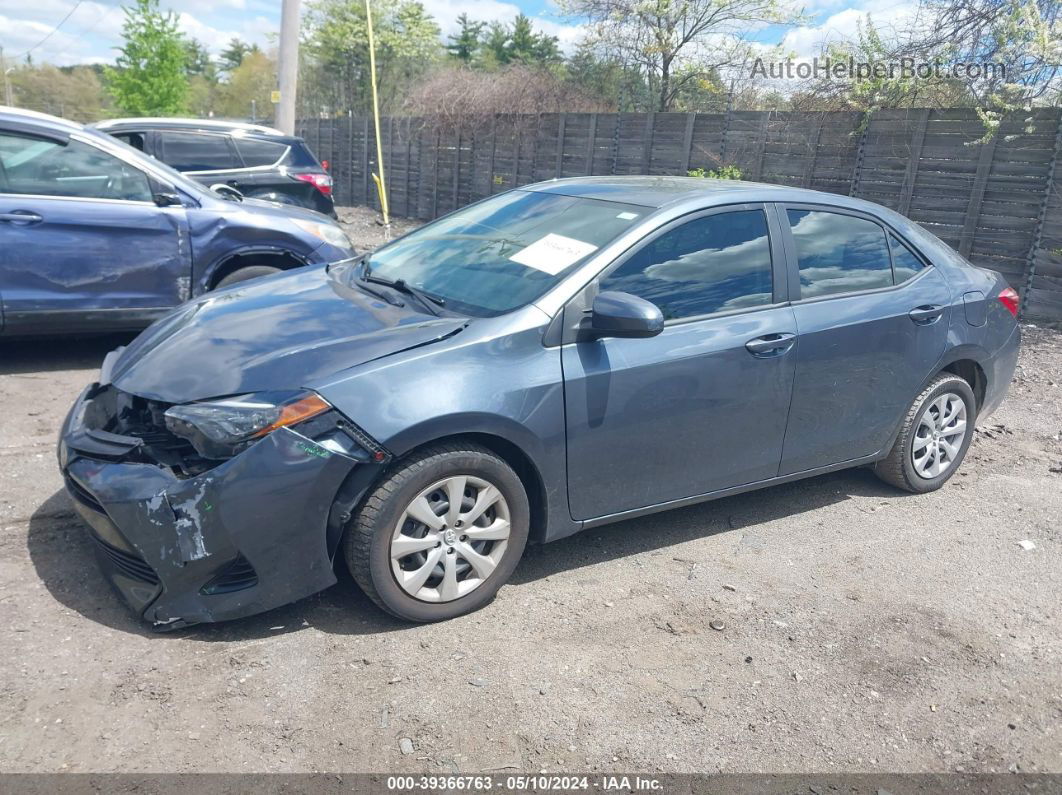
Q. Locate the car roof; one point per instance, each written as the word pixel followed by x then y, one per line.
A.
pixel 43 120
pixel 187 124
pixel 665 191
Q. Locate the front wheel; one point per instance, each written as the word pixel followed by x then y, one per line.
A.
pixel 441 534
pixel 936 433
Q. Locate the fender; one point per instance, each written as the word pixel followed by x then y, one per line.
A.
pixel 206 276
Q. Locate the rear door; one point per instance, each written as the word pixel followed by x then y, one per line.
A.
pixel 703 405
pixel 82 243
pixel 206 157
pixel 872 318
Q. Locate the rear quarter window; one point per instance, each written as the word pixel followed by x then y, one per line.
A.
pixel 300 156
pixel 256 152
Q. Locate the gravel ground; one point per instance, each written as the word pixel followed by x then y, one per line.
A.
pixel 862 630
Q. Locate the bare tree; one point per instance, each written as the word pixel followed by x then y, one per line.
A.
pixel 678 42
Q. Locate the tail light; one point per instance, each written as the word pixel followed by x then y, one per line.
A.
pixel 324 165
pixel 322 182
pixel 1009 299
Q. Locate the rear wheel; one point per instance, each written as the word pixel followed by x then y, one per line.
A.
pixel 441 534
pixel 245 273
pixel 935 436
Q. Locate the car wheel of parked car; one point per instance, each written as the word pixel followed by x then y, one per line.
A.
pixel 935 436
pixel 441 534
pixel 243 274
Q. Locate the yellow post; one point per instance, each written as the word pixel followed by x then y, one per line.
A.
pixel 381 185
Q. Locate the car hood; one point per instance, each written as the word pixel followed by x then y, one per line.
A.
pixel 282 332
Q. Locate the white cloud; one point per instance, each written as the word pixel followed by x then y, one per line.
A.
pixel 809 40
pixel 446 13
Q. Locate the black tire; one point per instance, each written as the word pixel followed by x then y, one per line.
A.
pixel 246 273
pixel 897 469
pixel 367 541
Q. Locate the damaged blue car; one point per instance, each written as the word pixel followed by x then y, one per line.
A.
pixel 96 236
pixel 550 359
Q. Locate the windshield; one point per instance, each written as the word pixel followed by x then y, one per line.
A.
pixel 504 252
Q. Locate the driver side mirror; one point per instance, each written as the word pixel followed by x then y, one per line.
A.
pixel 616 314
pixel 167 199
pixel 226 191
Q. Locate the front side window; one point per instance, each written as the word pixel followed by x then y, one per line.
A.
pixel 839 253
pixel 504 252
pixel 40 167
pixel 197 151
pixel 710 264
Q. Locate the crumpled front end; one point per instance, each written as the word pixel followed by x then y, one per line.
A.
pixel 186 540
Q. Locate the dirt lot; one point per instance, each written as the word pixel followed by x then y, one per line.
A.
pixel 864 629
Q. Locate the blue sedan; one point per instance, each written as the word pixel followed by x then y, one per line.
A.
pixel 550 359
pixel 96 236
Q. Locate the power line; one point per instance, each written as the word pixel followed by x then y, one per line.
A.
pixel 52 32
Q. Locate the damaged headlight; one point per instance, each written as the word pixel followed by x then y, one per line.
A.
pixel 219 428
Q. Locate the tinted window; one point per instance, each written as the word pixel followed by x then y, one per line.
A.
pixel 134 139
pixel 197 151
pixel 839 253
pixel 707 265
pixel 300 156
pixel 259 153
pixel 47 168
pixel 904 263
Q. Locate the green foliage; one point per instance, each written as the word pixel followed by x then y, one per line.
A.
pixel 337 49
pixel 465 45
pixel 232 56
pixel 72 92
pixel 254 79
pixel 608 79
pixel 723 172
pixel 148 78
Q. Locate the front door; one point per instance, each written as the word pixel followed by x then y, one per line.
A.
pixel 703 405
pixel 82 243
pixel 873 321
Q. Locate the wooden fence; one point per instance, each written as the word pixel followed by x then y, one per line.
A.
pixel 999 203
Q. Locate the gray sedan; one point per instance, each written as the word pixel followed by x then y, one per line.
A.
pixel 554 358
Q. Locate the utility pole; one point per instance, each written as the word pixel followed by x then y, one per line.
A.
pixel 288 66
pixel 8 99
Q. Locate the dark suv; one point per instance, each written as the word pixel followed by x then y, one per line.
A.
pixel 258 161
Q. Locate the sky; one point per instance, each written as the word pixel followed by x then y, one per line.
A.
pixel 91 29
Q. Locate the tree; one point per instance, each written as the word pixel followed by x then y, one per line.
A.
pixel 232 56
pixel 518 42
pixel 254 79
pixel 622 87
pixel 74 92
pixel 675 42
pixel 337 48
pixel 148 78
pixel 465 44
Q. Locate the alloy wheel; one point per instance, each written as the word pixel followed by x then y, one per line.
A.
pixel 450 538
pixel 939 436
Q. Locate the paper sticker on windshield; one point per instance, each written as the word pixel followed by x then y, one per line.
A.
pixel 553 253
pixel 627 216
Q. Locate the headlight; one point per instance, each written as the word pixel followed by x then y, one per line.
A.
pixel 218 428
pixel 329 233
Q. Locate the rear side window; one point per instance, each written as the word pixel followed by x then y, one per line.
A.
pixel 839 253
pixel 34 166
pixel 256 152
pixel 300 156
pixel 706 265
pixel 905 264
pixel 134 139
pixel 188 151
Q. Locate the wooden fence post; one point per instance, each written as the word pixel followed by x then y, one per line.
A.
pixel 809 166
pixel 366 179
pixel 647 142
pixel 761 148
pixel 857 167
pixel 977 195
pixel 687 142
pixel 560 145
pixel 1041 218
pixel 591 141
pixel 909 177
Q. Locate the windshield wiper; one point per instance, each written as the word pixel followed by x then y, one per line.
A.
pixel 427 300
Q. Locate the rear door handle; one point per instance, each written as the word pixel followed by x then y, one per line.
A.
pixel 22 217
pixel 924 315
pixel 770 345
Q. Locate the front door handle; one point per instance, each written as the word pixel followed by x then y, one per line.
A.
pixel 770 345
pixel 925 315
pixel 21 217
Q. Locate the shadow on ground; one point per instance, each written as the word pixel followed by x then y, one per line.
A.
pixel 64 559
pixel 50 354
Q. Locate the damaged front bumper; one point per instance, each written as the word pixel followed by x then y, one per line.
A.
pixel 248 534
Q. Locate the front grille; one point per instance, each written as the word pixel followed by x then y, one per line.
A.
pixel 128 563
pixel 237 576
pixel 144 419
